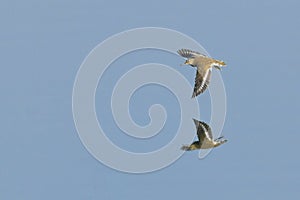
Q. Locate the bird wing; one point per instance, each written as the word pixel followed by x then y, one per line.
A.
pixel 204 132
pixel 200 130
pixel 201 81
pixel 197 123
pixel 189 53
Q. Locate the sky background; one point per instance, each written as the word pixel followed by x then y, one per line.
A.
pixel 42 45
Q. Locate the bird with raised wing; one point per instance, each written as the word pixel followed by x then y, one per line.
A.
pixel 205 137
pixel 204 66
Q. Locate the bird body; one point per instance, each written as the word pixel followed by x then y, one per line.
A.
pixel 204 66
pixel 205 137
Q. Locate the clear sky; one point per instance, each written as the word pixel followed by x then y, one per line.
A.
pixel 42 45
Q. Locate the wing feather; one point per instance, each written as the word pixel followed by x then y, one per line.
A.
pixel 208 131
pixel 189 53
pixel 201 81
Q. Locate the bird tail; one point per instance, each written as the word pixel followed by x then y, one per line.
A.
pixel 186 148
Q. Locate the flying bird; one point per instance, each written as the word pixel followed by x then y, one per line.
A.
pixel 205 137
pixel 204 65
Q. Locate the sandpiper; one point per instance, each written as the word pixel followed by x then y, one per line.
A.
pixel 204 65
pixel 205 137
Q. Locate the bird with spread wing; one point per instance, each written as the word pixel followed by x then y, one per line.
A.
pixel 205 137
pixel 204 66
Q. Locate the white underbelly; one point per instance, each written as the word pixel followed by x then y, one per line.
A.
pixel 207 144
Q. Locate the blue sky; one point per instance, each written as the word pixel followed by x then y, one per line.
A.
pixel 42 46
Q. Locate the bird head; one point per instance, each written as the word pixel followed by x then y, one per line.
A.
pixel 218 64
pixel 221 63
pixel 219 142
